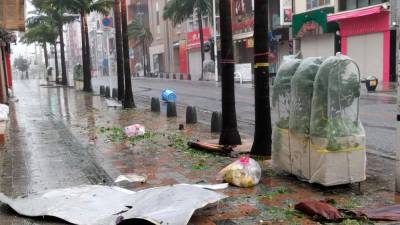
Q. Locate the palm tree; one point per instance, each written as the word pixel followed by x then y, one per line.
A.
pixel 229 133
pixel 84 7
pixel 42 34
pixel 53 11
pixel 180 10
pixel 118 40
pixel 142 36
pixel 128 98
pixel 262 136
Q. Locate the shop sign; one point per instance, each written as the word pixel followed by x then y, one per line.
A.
pixel 193 38
pixel 308 27
pixel 183 57
pixel 286 12
pixel 247 24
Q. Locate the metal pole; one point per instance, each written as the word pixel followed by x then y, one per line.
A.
pixel 109 59
pixel 215 41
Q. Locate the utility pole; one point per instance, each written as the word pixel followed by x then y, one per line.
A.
pixel 215 41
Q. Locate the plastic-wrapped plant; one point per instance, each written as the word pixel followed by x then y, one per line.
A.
pixel 302 87
pixel 335 100
pixel 281 89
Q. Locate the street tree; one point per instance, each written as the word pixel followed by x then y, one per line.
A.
pixel 83 8
pixel 128 101
pixel 229 133
pixel 22 64
pixel 118 40
pixel 42 34
pixel 53 12
pixel 142 36
pixel 179 11
pixel 263 130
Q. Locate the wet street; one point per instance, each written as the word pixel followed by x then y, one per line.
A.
pixel 377 111
pixel 59 137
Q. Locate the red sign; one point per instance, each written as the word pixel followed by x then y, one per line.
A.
pixel 243 25
pixel 193 38
pixel 183 57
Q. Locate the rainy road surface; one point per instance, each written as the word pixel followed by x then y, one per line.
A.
pixel 54 142
pixel 377 111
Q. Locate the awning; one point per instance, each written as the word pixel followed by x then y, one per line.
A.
pixel 318 16
pixel 356 13
pixel 12 15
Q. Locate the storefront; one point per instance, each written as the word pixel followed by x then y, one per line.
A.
pixel 366 38
pixel 316 36
pixel 194 51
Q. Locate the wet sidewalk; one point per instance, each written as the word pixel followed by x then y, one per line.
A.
pixel 61 138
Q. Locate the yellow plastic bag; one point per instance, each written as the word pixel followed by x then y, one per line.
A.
pixel 245 172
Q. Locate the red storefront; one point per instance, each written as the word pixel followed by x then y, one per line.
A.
pixel 365 37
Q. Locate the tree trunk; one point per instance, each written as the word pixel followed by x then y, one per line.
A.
pixel 229 133
pixel 200 21
pixel 87 77
pixel 46 57
pixel 62 52
pixel 144 59
pixel 88 59
pixel 263 130
pixel 56 61
pixel 118 40
pixel 128 100
pixel 84 63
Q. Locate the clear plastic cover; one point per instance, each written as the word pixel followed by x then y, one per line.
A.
pixel 334 113
pixel 281 89
pixel 302 87
pixel 281 103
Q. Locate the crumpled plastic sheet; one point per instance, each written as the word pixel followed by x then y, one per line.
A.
pixel 103 205
pixel 319 209
pixel 388 213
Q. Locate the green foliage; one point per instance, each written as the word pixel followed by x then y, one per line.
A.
pixel 179 11
pixel 277 191
pixel 280 213
pixel 302 85
pixel 41 33
pixel 21 64
pixel 6 36
pixel 78 72
pixel 139 32
pixel 333 93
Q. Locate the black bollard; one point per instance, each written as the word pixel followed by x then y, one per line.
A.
pixel 114 93
pixel 102 90
pixel 167 76
pixel 174 76
pixel 155 105
pixel 181 76
pixel 189 77
pixel 191 115
pixel 161 75
pixel 107 95
pixel 171 109
pixel 216 122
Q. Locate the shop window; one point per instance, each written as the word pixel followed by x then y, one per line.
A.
pixel 317 3
pixel 355 4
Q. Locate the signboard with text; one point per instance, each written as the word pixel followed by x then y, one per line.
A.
pixel 193 38
pixel 286 12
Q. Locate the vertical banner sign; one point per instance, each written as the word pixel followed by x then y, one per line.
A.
pixel 286 12
pixel 183 57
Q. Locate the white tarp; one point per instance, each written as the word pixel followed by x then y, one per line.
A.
pixel 103 205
